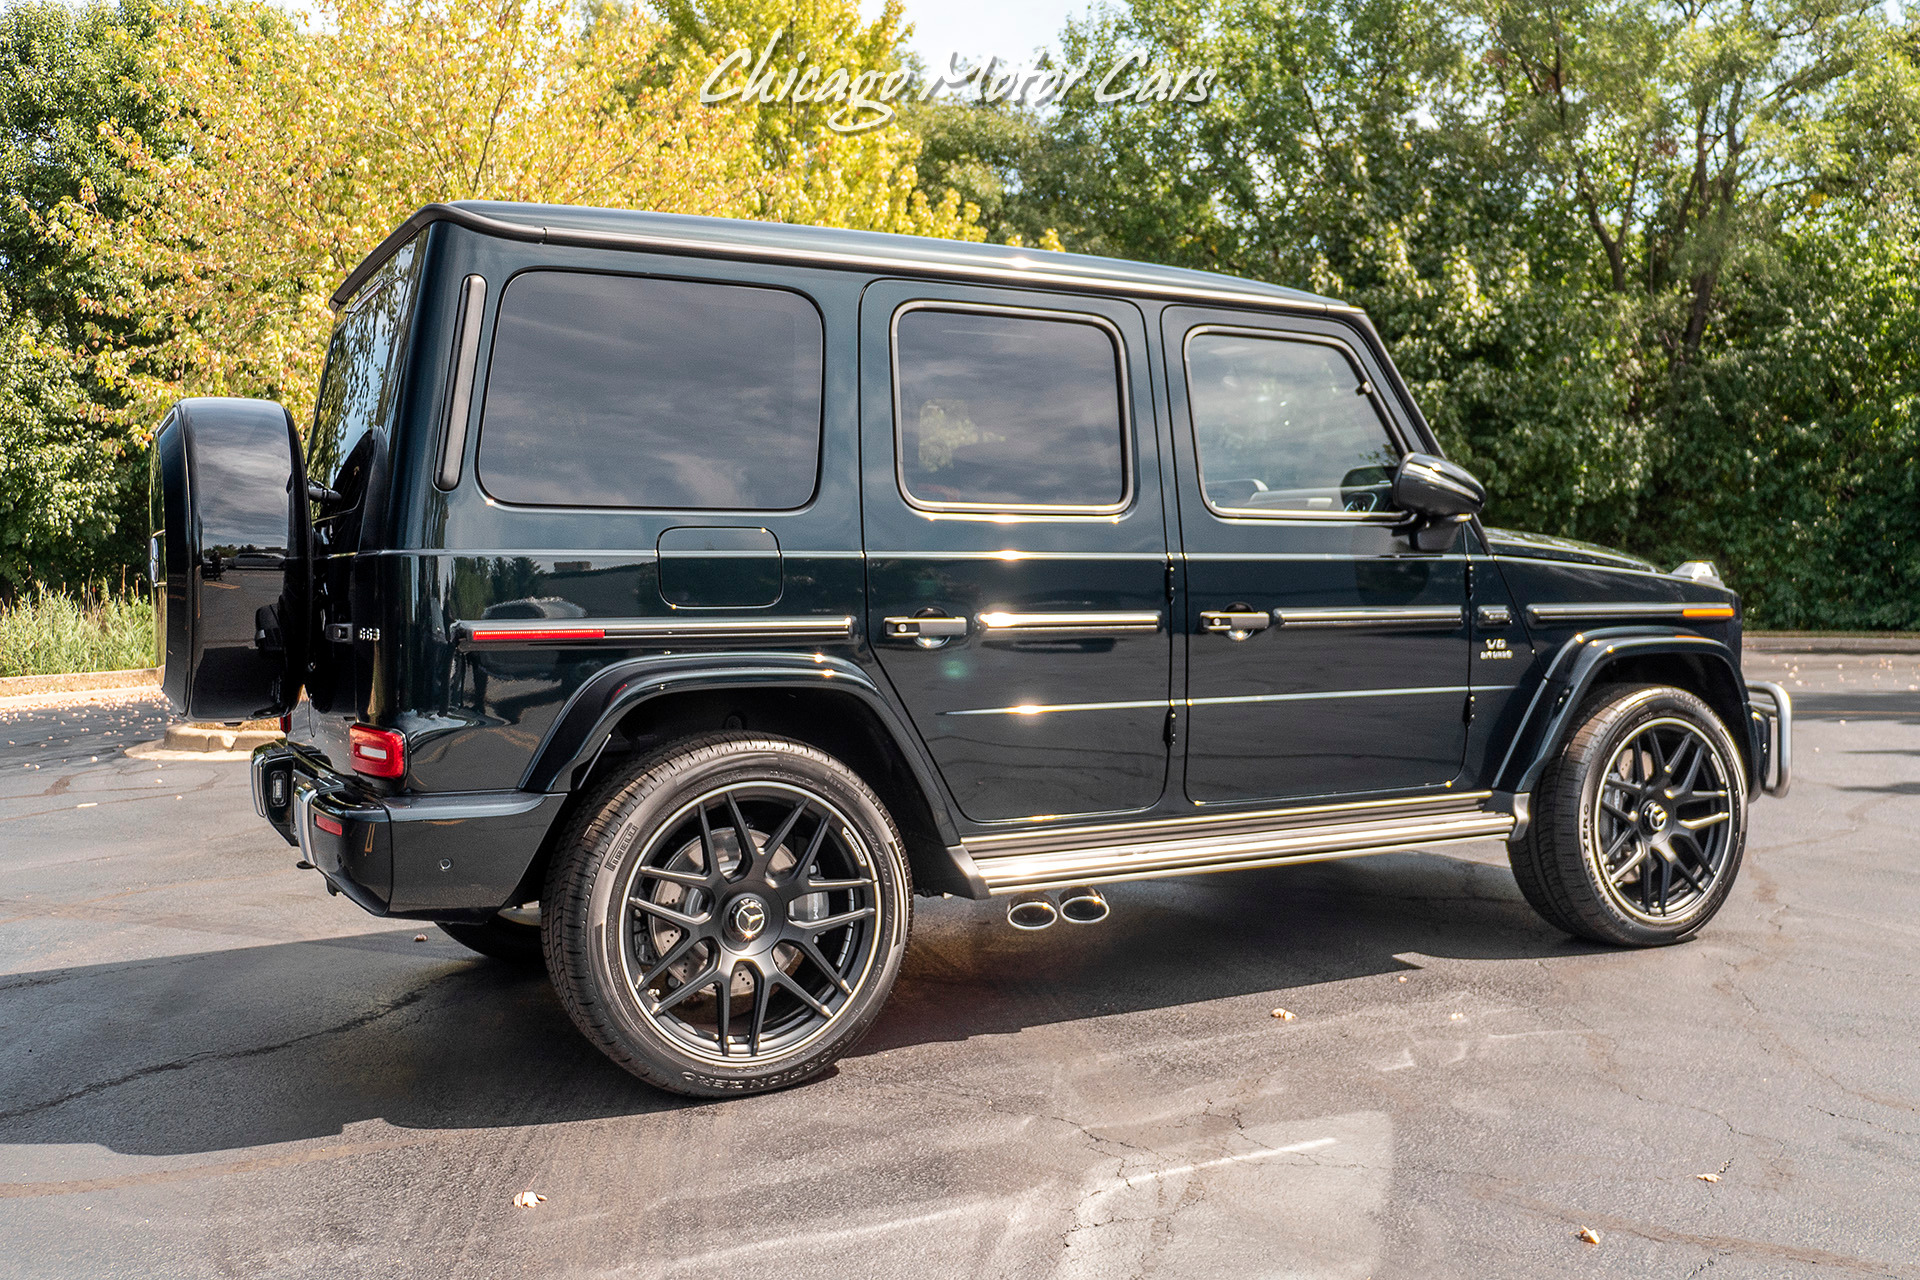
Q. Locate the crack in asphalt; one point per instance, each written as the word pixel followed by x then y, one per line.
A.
pixel 231 1055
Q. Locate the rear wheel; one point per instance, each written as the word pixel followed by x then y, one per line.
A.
pixel 729 916
pixel 1640 824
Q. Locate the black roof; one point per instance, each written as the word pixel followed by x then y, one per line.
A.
pixel 828 246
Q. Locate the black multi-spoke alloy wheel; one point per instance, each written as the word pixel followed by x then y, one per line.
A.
pixel 728 916
pixel 513 941
pixel 1640 823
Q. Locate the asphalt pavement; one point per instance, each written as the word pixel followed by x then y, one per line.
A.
pixel 209 1067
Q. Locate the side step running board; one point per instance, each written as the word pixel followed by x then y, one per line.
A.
pixel 1195 854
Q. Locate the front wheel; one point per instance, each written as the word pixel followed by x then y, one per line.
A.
pixel 1640 823
pixel 728 916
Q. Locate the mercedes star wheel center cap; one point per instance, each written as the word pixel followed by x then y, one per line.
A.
pixel 747 917
pixel 1655 815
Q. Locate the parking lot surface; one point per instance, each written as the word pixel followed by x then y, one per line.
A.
pixel 209 1067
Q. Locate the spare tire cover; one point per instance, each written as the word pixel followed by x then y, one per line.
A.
pixel 229 558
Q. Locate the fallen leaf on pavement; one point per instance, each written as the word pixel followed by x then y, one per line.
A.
pixel 1707 1177
pixel 1285 1015
pixel 419 937
pixel 528 1199
pixel 1588 1234
pixel 1455 1017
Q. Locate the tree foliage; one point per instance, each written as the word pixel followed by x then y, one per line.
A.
pixel 865 179
pixel 1648 265
pixel 1652 267
pixel 69 462
pixel 288 154
pixel 216 166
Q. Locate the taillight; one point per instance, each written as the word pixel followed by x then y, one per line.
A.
pixel 286 724
pixel 378 753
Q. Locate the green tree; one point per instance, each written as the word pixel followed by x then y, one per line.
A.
pixel 1345 148
pixel 830 174
pixel 71 468
pixel 987 153
pixel 1647 264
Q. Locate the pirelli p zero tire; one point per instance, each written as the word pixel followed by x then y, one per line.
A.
pixel 1639 824
pixel 728 915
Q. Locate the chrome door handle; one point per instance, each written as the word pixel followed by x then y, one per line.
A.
pixel 928 633
pixel 1234 624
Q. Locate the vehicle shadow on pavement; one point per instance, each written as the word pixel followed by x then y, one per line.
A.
pixel 1178 942
pixel 243 1048
pixel 226 1050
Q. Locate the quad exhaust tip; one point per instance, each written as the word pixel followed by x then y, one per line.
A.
pixel 1032 914
pixel 1083 906
pixel 1075 906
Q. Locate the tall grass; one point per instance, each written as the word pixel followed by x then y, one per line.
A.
pixel 46 633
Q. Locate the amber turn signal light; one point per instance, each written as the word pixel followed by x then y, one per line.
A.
pixel 378 753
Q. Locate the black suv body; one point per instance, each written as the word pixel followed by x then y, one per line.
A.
pixel 673 597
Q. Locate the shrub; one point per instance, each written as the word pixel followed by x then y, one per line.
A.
pixel 47 633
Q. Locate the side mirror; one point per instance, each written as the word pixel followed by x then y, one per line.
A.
pixel 1436 489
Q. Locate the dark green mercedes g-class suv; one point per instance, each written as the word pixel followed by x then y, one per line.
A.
pixel 674 598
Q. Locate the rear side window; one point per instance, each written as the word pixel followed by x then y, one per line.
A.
pixel 997 409
pixel 625 391
pixel 359 392
pixel 1285 427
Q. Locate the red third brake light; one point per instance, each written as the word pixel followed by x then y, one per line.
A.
pixel 378 753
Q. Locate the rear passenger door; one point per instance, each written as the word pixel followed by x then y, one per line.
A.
pixel 1327 656
pixel 1016 543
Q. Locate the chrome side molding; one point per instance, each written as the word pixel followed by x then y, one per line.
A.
pixel 1002 625
pixel 1383 616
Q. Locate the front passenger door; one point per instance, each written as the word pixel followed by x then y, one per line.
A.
pixel 1327 656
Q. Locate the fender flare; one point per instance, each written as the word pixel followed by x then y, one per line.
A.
pixel 586 723
pixel 1579 666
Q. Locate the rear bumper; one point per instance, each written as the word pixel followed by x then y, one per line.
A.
pixel 453 856
pixel 1772 712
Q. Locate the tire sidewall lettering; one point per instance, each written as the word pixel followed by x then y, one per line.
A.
pixel 665 790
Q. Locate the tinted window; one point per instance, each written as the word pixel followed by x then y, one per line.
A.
pixel 618 391
pixel 1285 427
pixel 359 392
pixel 1008 411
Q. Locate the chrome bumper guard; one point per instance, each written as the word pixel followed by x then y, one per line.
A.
pixel 1772 711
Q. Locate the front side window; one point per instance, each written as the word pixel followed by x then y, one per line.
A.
pixel 629 391
pixel 996 409
pixel 1285 427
